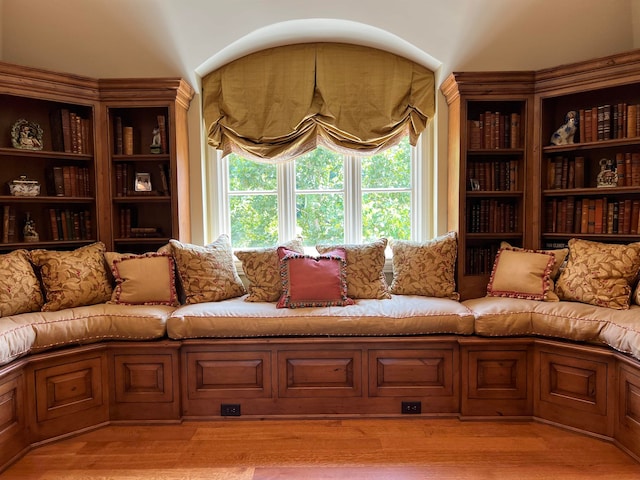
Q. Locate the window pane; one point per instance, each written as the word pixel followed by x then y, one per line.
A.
pixel 389 169
pixel 320 218
pixel 246 175
pixel 254 220
pixel 386 215
pixel 321 169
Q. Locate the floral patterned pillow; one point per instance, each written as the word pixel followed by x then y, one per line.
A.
pixel 207 274
pixel 599 273
pixel 425 268
pixel 261 266
pixel 365 263
pixel 75 278
pixel 19 287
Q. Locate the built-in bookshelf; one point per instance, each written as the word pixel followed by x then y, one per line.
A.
pixel 148 162
pixel 61 137
pixel 527 190
pixel 47 122
pixel 590 188
pixel 488 131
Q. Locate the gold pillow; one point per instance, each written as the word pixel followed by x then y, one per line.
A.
pixel 560 254
pixel 147 279
pixel 599 273
pixel 425 268
pixel 75 278
pixel 365 263
pixel 207 274
pixel 519 273
pixel 261 266
pixel 19 287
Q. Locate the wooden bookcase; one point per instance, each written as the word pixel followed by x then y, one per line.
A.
pixel 145 215
pixel 60 110
pixel 79 201
pixel 606 94
pixel 556 196
pixel 490 121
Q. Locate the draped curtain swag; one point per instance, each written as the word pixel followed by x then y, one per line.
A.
pixel 279 103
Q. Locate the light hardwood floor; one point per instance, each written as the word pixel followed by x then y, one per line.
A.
pixel 354 449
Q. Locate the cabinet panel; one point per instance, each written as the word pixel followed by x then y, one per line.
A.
pixel 13 428
pixel 627 426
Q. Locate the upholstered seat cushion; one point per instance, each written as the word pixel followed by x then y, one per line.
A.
pixel 399 315
pixel 94 323
pixel 619 329
pixel 16 337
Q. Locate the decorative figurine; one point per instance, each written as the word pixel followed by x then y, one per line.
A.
pixel 26 135
pixel 608 176
pixel 564 134
pixel 156 142
pixel 29 231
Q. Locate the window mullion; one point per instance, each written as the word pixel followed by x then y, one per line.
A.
pixel 352 199
pixel 286 201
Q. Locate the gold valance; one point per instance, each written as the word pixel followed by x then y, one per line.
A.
pixel 280 103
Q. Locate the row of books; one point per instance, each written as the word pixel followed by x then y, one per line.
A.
pixel 564 172
pixel 628 169
pixel 608 122
pixel 123 136
pixel 70 132
pixel 125 178
pixel 498 175
pixel 479 260
pixel 593 215
pixel 495 130
pixel 493 216
pixel 67 224
pixel 69 181
pixel 128 224
pixel 8 224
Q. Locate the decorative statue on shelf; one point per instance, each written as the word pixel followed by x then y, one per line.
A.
pixel 156 142
pixel 608 176
pixel 29 231
pixel 564 135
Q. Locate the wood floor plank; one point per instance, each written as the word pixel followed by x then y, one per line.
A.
pixel 353 449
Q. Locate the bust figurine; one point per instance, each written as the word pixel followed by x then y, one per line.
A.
pixel 29 231
pixel 156 142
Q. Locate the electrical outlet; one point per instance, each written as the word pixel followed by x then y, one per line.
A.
pixel 230 409
pixel 412 408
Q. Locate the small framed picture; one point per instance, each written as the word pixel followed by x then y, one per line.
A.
pixel 143 182
pixel 474 184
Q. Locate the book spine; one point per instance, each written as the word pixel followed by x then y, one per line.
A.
pixel 127 137
pixel 162 126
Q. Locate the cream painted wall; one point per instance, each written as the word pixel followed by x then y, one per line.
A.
pixel 142 38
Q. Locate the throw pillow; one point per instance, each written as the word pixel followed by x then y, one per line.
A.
pixel 19 286
pixel 207 274
pixel 75 278
pixel 427 268
pixel 521 274
pixel 147 279
pixel 261 266
pixel 309 281
pixel 365 263
pixel 599 273
pixel 560 254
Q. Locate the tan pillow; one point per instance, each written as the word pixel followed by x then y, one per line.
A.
pixel 599 273
pixel 75 278
pixel 560 254
pixel 19 287
pixel 519 273
pixel 365 263
pixel 207 274
pixel 425 268
pixel 147 279
pixel 262 269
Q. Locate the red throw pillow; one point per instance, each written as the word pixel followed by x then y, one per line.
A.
pixel 309 281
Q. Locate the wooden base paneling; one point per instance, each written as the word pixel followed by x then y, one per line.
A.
pixel 144 382
pixel 572 388
pixel 67 392
pixel 13 428
pixel 497 379
pixel 58 393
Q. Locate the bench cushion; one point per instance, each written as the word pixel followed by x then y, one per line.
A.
pixel 16 338
pixel 399 315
